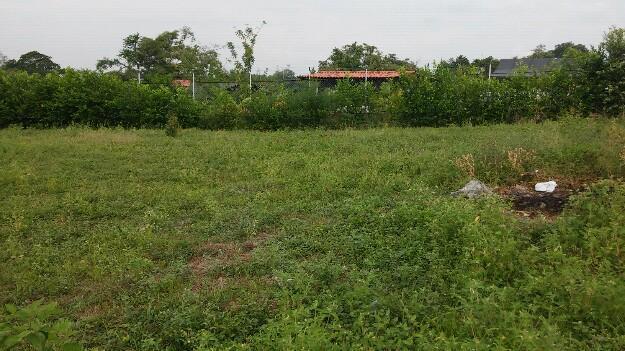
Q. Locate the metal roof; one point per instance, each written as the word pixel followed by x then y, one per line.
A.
pixel 507 67
pixel 352 74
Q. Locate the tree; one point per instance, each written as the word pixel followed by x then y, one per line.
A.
pixel 355 56
pixel 243 58
pixel 541 52
pixel 599 74
pixel 33 62
pixel 283 74
pixel 558 51
pixel 3 59
pixel 612 74
pixel 484 64
pixel 456 63
pixel 613 45
pixel 171 53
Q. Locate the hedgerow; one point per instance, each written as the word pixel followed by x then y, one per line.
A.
pixel 584 83
pixel 429 97
pixel 88 98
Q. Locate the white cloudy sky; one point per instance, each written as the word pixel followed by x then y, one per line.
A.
pixel 301 32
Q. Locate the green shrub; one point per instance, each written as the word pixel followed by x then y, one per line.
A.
pixel 584 83
pixel 306 108
pixel 439 97
pixel 260 112
pixel 89 98
pixel 352 103
pixel 221 112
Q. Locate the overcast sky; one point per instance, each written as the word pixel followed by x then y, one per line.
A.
pixel 301 32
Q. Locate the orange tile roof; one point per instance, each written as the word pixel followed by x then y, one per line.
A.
pixel 185 83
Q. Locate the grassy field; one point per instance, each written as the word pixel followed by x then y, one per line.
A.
pixel 316 239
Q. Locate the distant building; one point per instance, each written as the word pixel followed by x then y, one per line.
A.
pixel 185 83
pixel 329 78
pixel 535 67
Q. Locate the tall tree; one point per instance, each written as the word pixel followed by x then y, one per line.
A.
pixel 358 56
pixel 613 45
pixel 283 74
pixel 558 51
pixel 171 53
pixel 540 51
pixel 455 63
pixel 243 57
pixel 484 64
pixel 3 59
pixel 33 62
pixel 612 74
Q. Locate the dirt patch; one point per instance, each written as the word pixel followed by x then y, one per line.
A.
pixel 91 312
pixel 211 258
pixel 528 203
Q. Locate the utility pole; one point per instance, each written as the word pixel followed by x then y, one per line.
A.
pixel 139 77
pixel 193 85
pixel 250 80
pixel 366 91
pixel 490 69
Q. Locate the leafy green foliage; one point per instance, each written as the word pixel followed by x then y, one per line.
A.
pixel 356 56
pixel 558 51
pixel 442 97
pixel 170 54
pixel 611 75
pixel 244 60
pixel 349 105
pixel 454 92
pixel 36 325
pixel 88 98
pixel 485 65
pixel 32 62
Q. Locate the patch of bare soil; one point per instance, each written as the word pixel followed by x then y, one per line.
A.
pixel 528 203
pixel 211 258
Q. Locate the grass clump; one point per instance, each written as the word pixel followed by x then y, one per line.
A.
pixel 172 128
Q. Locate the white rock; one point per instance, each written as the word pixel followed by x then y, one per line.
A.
pixel 546 187
pixel 472 189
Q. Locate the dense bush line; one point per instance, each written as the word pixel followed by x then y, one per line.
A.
pixel 584 83
pixel 89 98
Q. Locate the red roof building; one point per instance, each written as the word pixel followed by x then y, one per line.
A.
pixel 185 83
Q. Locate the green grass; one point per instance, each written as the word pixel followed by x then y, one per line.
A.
pixel 314 239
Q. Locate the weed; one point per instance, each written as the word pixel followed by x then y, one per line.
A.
pixel 466 164
pixel 173 126
pixel 520 158
pixel 36 325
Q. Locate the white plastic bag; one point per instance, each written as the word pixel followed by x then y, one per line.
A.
pixel 546 187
